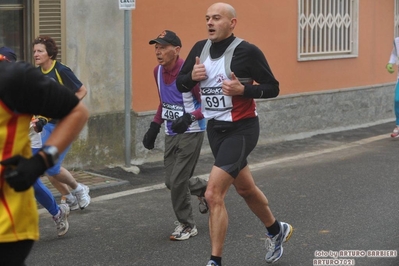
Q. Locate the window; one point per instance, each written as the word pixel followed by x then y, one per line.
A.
pixel 327 29
pixel 12 26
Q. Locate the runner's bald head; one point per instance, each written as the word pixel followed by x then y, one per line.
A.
pixel 228 9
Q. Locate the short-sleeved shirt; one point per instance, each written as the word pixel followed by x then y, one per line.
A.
pixel 63 75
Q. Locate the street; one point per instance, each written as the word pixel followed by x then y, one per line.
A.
pixel 341 197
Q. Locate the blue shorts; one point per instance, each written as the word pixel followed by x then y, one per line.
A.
pixel 47 130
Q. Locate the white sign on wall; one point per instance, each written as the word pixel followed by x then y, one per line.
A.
pixel 127 4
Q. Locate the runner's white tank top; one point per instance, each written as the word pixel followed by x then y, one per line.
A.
pixel 215 105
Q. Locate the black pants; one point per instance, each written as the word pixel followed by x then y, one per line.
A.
pixel 15 253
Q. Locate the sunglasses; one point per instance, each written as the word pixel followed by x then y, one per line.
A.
pixel 41 39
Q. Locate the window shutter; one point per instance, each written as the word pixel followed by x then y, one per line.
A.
pixel 50 21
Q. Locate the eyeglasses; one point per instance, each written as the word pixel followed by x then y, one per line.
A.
pixel 4 58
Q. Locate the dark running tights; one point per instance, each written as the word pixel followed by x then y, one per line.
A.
pixel 15 253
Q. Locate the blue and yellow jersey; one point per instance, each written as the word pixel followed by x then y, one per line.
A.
pixel 63 75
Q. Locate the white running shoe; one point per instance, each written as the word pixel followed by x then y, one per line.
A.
pixel 274 244
pixel 178 229
pixel 61 220
pixel 185 233
pixel 71 202
pixel 82 196
pixel 212 263
pixel 395 132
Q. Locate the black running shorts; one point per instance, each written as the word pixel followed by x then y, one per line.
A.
pixel 232 142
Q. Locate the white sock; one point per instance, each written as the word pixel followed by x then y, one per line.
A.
pixel 78 188
pixel 70 197
pixel 58 214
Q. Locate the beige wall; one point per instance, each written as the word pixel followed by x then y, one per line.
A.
pixel 272 26
pixel 95 46
pixel 316 96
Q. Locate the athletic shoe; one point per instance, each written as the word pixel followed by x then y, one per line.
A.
pixel 178 229
pixel 185 233
pixel 274 244
pixel 82 196
pixel 395 132
pixel 72 203
pixel 212 263
pixel 61 220
pixel 203 205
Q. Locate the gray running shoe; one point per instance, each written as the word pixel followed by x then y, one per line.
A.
pixel 83 196
pixel 274 245
pixel 61 220
pixel 203 205
pixel 212 263
pixel 185 233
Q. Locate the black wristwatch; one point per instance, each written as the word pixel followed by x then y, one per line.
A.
pixel 193 118
pixel 51 153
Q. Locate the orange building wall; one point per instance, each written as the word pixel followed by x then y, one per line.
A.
pixel 272 26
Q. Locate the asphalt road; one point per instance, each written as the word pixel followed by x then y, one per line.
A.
pixel 339 191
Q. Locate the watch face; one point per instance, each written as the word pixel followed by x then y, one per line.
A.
pixel 51 150
pixel 52 154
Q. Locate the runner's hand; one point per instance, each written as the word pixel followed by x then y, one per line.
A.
pixel 151 135
pixel 21 173
pixel 39 124
pixel 199 71
pixel 181 124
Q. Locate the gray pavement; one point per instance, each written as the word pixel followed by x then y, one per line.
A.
pixel 338 190
pixel 106 177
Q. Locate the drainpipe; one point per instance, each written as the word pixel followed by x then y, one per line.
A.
pixel 128 93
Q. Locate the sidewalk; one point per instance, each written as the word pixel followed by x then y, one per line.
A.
pixel 152 173
pixel 94 181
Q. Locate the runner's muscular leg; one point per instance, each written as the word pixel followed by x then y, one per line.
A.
pixel 218 185
pixel 64 178
pixel 61 187
pixel 253 196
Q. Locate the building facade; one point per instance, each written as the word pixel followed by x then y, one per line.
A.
pixel 328 55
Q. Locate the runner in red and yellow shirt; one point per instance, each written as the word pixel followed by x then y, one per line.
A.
pixel 24 91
